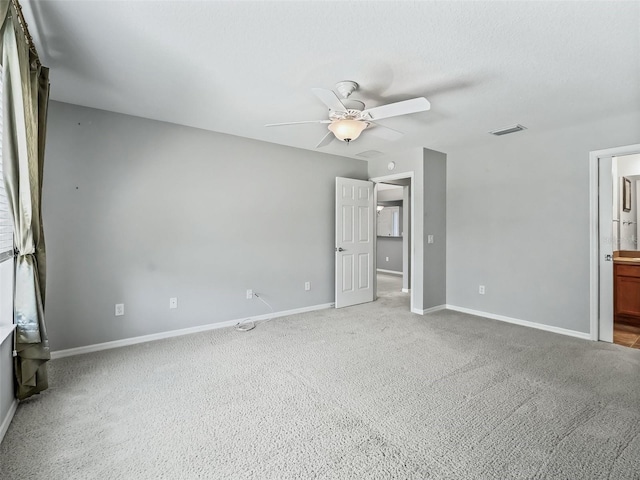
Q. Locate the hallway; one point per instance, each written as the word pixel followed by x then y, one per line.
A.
pixel 390 291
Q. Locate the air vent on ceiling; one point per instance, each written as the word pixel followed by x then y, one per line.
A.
pixel 369 154
pixel 505 131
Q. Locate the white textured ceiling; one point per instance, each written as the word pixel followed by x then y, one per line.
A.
pixel 233 66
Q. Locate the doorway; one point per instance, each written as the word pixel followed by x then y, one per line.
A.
pixel 626 250
pixel 394 239
pixel 355 249
pixel 615 251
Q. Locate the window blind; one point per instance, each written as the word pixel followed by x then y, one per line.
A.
pixel 6 222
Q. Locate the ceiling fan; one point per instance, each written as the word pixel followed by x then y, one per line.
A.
pixel 348 118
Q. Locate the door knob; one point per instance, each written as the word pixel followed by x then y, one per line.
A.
pixel 340 249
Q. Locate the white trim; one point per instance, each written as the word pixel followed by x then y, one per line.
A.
pixel 406 290
pixel 402 176
pixel 594 228
pixel 524 323
pixel 6 331
pixel 437 308
pixel 390 272
pixel 594 282
pixel 395 176
pixel 4 426
pixel 184 331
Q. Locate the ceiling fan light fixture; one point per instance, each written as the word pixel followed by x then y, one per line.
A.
pixel 347 130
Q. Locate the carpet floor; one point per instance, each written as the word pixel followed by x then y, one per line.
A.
pixel 370 391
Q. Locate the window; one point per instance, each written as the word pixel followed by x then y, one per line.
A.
pixel 6 223
pixel 6 246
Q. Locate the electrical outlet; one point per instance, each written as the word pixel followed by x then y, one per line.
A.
pixel 386 258
pixel 249 294
pixel 119 309
pixel 307 286
pixel 481 289
pixel 429 238
pixel 173 302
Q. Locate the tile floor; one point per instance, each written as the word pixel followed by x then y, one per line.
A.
pixel 627 335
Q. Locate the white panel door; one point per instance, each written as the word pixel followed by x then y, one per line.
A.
pixel 355 240
pixel 607 238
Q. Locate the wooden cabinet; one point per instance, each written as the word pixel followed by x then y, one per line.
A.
pixel 626 293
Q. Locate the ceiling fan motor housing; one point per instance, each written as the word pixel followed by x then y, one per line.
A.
pixel 353 105
pixel 348 115
pixel 346 88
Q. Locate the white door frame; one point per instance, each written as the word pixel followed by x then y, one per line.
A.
pixel 594 228
pixel 386 178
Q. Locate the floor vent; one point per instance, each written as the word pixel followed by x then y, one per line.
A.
pixel 505 131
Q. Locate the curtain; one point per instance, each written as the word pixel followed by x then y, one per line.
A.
pixel 26 95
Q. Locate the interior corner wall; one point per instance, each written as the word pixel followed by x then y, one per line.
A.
pixel 518 221
pixel 137 211
pixel 435 223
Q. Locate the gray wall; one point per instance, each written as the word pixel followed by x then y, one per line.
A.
pixel 6 347
pixel 6 377
pixel 138 211
pixel 435 223
pixel 518 221
pixel 391 248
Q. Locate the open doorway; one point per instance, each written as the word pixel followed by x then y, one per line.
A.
pixel 626 250
pixel 615 258
pixel 393 241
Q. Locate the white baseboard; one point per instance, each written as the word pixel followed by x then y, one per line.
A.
pixel 184 331
pixel 524 323
pixel 4 426
pixel 437 308
pixel 390 272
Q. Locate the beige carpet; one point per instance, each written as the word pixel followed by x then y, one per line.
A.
pixel 369 391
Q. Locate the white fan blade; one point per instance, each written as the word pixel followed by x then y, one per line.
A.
pixel 330 99
pixel 296 123
pixel 414 105
pixel 326 140
pixel 385 133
